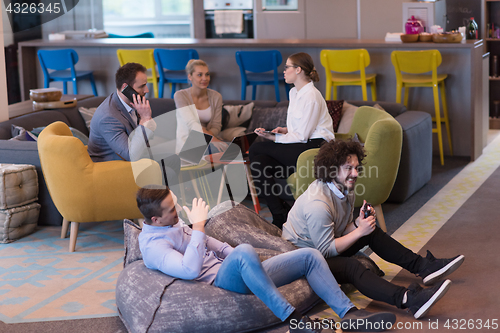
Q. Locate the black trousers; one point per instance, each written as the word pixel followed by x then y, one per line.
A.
pixel 269 160
pixel 349 270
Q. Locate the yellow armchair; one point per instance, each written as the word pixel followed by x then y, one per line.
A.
pixel 84 191
pixel 383 137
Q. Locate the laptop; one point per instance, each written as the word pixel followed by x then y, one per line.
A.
pixel 196 146
pixel 239 144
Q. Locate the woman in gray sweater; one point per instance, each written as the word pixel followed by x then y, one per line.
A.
pixel 198 103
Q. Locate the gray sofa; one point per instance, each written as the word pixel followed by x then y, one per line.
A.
pixel 414 172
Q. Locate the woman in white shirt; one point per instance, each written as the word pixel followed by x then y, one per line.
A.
pixel 308 125
pixel 197 103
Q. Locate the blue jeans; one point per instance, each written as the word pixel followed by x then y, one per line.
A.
pixel 242 272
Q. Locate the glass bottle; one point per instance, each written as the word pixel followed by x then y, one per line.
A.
pixel 472 29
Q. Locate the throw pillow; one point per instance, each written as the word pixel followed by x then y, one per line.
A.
pixel 131 233
pixel 21 134
pixel 229 133
pixel 356 139
pixel 16 130
pixel 30 136
pixel 335 111
pixel 76 133
pixel 87 114
pixel 348 111
pixel 377 106
pixel 18 133
pixel 235 115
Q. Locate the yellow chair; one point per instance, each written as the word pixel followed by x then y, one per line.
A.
pixel 84 191
pixel 416 63
pixel 143 57
pixel 345 62
pixel 383 139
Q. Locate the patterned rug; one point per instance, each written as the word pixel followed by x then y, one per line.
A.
pixel 41 281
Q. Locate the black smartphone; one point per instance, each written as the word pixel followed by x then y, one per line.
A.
pixel 368 210
pixel 128 91
pixel 269 132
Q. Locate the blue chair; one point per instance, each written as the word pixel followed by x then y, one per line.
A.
pixel 63 63
pixel 257 63
pixel 143 35
pixel 171 65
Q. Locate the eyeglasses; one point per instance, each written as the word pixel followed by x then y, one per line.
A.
pixel 288 66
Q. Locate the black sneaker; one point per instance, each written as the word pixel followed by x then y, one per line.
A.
pixel 308 325
pixel 365 321
pixel 437 269
pixel 420 300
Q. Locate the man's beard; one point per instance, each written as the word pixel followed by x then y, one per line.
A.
pixel 348 187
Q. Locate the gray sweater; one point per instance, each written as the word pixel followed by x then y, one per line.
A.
pixel 183 98
pixel 318 217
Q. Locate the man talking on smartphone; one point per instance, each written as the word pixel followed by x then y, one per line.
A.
pixel 119 114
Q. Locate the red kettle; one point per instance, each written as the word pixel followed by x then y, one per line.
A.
pixel 413 26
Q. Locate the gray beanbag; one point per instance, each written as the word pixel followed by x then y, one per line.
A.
pixel 150 301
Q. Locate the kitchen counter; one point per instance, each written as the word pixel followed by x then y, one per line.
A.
pixel 465 64
pixel 243 43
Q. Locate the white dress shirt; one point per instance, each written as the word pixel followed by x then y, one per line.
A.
pixel 307 117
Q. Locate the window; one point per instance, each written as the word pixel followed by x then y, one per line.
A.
pixel 116 10
pixel 165 18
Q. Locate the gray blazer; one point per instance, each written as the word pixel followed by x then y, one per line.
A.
pixel 110 128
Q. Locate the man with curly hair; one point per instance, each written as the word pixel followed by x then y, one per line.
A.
pixel 323 218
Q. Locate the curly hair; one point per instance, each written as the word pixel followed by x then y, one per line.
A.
pixel 149 201
pixel 332 155
pixel 127 73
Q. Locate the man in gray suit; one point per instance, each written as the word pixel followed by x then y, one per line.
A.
pixel 118 116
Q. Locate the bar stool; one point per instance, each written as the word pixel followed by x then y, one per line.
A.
pixel 171 65
pixel 344 62
pixel 144 57
pixel 257 63
pixel 63 63
pixel 416 63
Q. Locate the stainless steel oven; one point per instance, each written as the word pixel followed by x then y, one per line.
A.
pixel 210 6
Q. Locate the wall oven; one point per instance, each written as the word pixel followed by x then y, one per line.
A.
pixel 246 6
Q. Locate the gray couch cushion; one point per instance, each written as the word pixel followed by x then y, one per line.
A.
pixel 24 152
pixel 394 109
pixel 150 301
pixel 415 168
pixel 30 121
